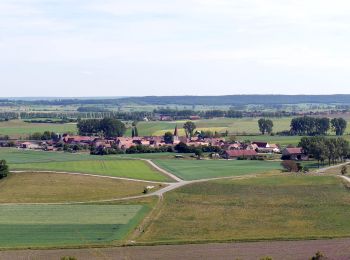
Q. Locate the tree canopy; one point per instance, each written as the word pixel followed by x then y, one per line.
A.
pixel 110 127
pixel 4 169
pixel 265 125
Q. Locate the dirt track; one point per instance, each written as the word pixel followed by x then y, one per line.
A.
pixel 338 249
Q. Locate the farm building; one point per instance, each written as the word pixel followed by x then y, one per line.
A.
pixel 296 154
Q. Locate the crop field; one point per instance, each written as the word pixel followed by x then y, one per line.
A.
pixel 261 208
pixel 18 128
pixel 244 125
pixel 203 169
pixel 13 155
pixel 59 188
pixel 66 225
pixel 134 169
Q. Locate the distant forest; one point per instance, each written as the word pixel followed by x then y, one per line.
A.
pixel 230 100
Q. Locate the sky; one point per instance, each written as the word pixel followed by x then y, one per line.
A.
pixel 72 48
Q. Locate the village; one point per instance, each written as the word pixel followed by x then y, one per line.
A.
pixel 218 146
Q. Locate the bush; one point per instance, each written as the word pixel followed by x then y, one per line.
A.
pixel 290 166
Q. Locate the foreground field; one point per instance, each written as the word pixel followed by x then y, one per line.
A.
pixel 287 250
pixel 203 169
pixel 13 156
pixel 284 207
pixel 18 128
pixel 134 169
pixel 52 188
pixel 66 225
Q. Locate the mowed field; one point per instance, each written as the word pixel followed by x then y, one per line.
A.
pixel 66 225
pixel 133 169
pixel 233 125
pixel 80 163
pixel 261 208
pixel 18 128
pixel 203 169
pixel 63 188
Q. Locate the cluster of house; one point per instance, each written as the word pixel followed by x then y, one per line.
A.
pixel 232 150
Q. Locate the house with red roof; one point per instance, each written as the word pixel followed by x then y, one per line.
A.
pixel 294 153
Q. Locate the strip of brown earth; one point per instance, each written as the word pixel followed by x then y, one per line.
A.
pixel 337 249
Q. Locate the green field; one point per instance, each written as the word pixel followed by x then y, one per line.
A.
pixel 233 125
pixel 134 169
pixel 13 155
pixel 18 128
pixel 277 207
pixel 203 169
pixel 61 188
pixel 66 225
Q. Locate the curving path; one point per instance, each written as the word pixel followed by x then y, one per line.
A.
pixel 170 185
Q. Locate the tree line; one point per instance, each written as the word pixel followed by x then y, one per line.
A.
pixel 317 126
pixel 324 149
pixel 107 127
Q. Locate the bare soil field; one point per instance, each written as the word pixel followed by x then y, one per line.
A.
pixel 337 249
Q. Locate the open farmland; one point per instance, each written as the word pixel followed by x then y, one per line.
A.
pixel 233 125
pixel 134 169
pixel 203 169
pixel 66 225
pixel 62 188
pixel 18 128
pixel 13 156
pixel 284 207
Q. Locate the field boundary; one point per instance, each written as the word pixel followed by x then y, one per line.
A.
pixel 90 175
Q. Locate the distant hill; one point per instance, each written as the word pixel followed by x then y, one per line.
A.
pixel 190 100
pixel 239 99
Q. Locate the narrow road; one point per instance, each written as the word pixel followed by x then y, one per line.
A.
pixel 323 170
pixel 93 175
pixel 169 174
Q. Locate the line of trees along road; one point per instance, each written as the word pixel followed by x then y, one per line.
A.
pixel 322 148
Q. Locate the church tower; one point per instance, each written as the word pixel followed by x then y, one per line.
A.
pixel 176 134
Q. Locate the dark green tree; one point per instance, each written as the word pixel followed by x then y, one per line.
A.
pixel 265 125
pixel 112 127
pixel 189 127
pixel 168 138
pixel 4 169
pixel 339 125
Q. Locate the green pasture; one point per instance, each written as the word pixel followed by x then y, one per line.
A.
pixel 61 188
pixel 18 128
pixel 204 169
pixel 66 225
pixel 261 208
pixel 13 156
pixel 233 125
pixel 134 169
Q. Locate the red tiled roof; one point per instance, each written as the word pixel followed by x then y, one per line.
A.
pixel 296 150
pixel 241 153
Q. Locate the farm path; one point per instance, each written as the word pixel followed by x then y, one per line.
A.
pixel 159 193
pixel 169 174
pixel 345 178
pixel 323 170
pixel 92 175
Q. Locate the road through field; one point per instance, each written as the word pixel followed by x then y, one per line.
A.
pixel 335 249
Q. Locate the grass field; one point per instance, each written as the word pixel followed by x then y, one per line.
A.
pixel 18 128
pixel 66 225
pixel 283 207
pixel 233 125
pixel 202 169
pixel 59 188
pixel 13 155
pixel 134 169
